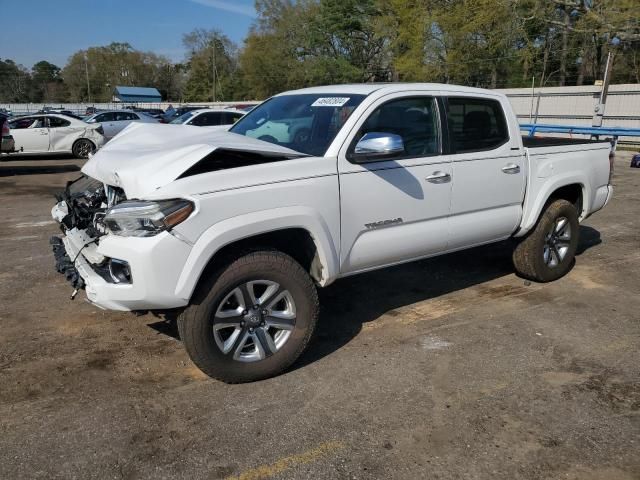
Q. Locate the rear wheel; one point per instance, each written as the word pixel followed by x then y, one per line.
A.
pixel 548 251
pixel 252 319
pixel 82 148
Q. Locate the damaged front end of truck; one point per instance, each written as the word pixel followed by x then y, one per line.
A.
pixel 80 210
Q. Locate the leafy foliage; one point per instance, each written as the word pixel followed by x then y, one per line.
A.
pixel 298 43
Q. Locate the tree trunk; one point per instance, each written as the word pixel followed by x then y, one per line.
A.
pixel 565 46
pixel 583 63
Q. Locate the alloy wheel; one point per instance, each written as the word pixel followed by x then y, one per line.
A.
pixel 254 320
pixel 557 242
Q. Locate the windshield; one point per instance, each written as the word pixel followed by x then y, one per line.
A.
pixel 183 118
pixel 307 123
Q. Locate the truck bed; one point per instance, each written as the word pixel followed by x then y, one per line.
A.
pixel 538 142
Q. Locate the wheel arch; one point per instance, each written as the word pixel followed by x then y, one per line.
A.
pixel 573 189
pixel 304 238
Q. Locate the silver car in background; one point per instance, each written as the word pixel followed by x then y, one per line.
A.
pixel 209 117
pixel 114 121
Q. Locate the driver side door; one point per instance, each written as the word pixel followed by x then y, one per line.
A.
pixel 395 209
pixel 31 134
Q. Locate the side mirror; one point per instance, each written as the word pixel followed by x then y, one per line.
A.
pixel 376 146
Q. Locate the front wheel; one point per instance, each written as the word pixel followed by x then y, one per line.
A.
pixel 548 251
pixel 252 319
pixel 82 148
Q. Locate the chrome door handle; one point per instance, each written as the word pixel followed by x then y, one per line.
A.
pixel 511 168
pixel 439 177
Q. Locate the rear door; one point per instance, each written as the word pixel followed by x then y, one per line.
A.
pixel 61 134
pixel 489 171
pixel 397 209
pixel 31 134
pixel 122 119
pixel 107 120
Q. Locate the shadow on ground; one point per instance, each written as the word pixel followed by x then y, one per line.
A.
pixel 354 301
pixel 12 170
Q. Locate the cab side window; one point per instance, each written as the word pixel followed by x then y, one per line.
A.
pixel 414 119
pixel 476 124
pixel 55 122
pixel 21 123
pixel 124 116
pixel 105 117
pixel 232 117
pixel 207 119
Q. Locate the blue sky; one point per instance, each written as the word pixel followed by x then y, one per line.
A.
pixel 52 30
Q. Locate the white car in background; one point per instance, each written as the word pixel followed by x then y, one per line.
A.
pixel 52 133
pixel 291 130
pixel 114 121
pixel 209 117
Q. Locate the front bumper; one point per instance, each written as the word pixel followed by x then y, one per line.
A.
pixel 155 264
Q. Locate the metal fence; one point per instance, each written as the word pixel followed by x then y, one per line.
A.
pixel 576 106
pixel 555 105
pixel 81 108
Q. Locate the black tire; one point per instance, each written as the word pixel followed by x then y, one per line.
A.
pixel 82 148
pixel 196 323
pixel 534 256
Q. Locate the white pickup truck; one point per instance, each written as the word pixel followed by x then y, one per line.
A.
pixel 234 233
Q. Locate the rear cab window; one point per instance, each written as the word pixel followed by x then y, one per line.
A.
pixel 476 124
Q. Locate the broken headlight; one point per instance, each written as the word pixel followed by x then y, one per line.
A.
pixel 134 218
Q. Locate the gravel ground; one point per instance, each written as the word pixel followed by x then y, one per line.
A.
pixel 451 368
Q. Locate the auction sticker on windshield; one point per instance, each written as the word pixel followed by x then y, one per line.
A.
pixel 330 102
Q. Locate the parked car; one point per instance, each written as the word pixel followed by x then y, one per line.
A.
pixel 208 117
pixel 91 111
pixel 152 112
pixel 173 113
pixel 156 113
pixel 295 127
pixel 235 233
pixel 8 143
pixel 114 121
pixel 54 133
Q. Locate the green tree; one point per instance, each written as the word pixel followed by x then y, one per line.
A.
pixel 107 67
pixel 211 55
pixel 47 85
pixel 15 82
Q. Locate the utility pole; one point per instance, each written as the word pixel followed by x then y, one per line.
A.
pixel 533 92
pixel 86 71
pixel 213 70
pixel 602 101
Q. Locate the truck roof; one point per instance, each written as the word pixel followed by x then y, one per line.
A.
pixel 369 88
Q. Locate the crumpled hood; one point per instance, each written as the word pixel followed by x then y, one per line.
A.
pixel 145 157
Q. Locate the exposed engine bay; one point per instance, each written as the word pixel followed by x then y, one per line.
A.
pixel 80 211
pixel 86 201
